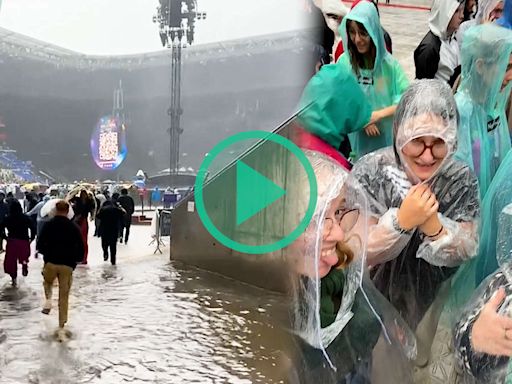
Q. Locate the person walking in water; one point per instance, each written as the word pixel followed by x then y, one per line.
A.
pixel 111 217
pixel 128 205
pixel 62 247
pixel 20 232
pixel 83 205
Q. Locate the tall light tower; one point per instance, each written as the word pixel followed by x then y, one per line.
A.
pixel 176 20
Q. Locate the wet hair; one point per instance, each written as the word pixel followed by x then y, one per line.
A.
pixel 15 208
pixel 62 206
pixel 356 59
pixel 124 191
pixel 344 253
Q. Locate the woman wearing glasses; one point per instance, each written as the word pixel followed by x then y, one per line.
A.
pixel 424 209
pixel 340 318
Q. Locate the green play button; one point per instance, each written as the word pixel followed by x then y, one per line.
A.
pixel 261 201
pixel 254 192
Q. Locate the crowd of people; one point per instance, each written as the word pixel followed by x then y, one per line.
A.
pixel 60 228
pixel 404 274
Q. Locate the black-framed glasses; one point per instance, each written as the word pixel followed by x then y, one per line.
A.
pixel 345 218
pixel 417 147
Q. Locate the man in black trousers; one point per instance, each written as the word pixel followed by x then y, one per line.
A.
pixel 129 206
pixel 111 217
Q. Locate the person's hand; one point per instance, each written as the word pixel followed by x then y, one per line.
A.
pixel 432 226
pixel 375 117
pixel 372 130
pixel 492 333
pixel 418 206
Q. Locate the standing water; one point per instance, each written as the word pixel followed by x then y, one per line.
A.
pixel 143 321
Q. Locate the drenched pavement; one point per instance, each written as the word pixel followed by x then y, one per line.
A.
pixel 145 320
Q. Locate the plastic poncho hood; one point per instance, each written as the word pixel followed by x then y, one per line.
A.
pixel 485 7
pixel 483 136
pixel 486 48
pixel 331 182
pixel 504 243
pixel 333 105
pixel 425 97
pixel 498 196
pixel 441 13
pixel 366 14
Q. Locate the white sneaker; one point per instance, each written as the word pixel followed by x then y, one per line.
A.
pixel 61 335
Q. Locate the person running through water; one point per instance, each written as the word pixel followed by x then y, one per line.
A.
pixel 62 247
pixel 21 232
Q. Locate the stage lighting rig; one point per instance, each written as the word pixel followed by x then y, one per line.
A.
pixel 176 20
pixel 175 16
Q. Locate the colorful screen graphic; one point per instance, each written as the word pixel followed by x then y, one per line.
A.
pixel 108 143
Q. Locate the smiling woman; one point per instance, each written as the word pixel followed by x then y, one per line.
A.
pixel 338 316
pixel 424 209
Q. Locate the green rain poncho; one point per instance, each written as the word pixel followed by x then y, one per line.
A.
pixel 330 108
pixel 474 273
pixel 483 137
pixel 383 85
pixel 498 196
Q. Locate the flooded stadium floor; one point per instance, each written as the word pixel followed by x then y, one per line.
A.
pixel 145 320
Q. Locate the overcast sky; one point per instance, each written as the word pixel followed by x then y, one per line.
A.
pixel 126 26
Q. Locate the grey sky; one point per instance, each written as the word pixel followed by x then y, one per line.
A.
pixel 126 26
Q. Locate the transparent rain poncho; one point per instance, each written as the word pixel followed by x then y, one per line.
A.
pixel 479 367
pixel 383 85
pixel 342 323
pixel 498 196
pixel 484 138
pixel 411 270
pixel 49 209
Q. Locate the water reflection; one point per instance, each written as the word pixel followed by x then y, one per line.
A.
pixel 148 321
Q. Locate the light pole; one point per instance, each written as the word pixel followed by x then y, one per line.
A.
pixel 176 20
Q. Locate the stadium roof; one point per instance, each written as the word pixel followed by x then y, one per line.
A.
pixel 16 45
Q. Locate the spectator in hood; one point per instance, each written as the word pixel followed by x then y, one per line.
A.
pixel 423 210
pixel 332 106
pixel 387 37
pixel 437 56
pixel 488 12
pixel 483 136
pixel 379 75
pixel 334 11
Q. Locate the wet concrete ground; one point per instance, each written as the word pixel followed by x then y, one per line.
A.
pixel 146 320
